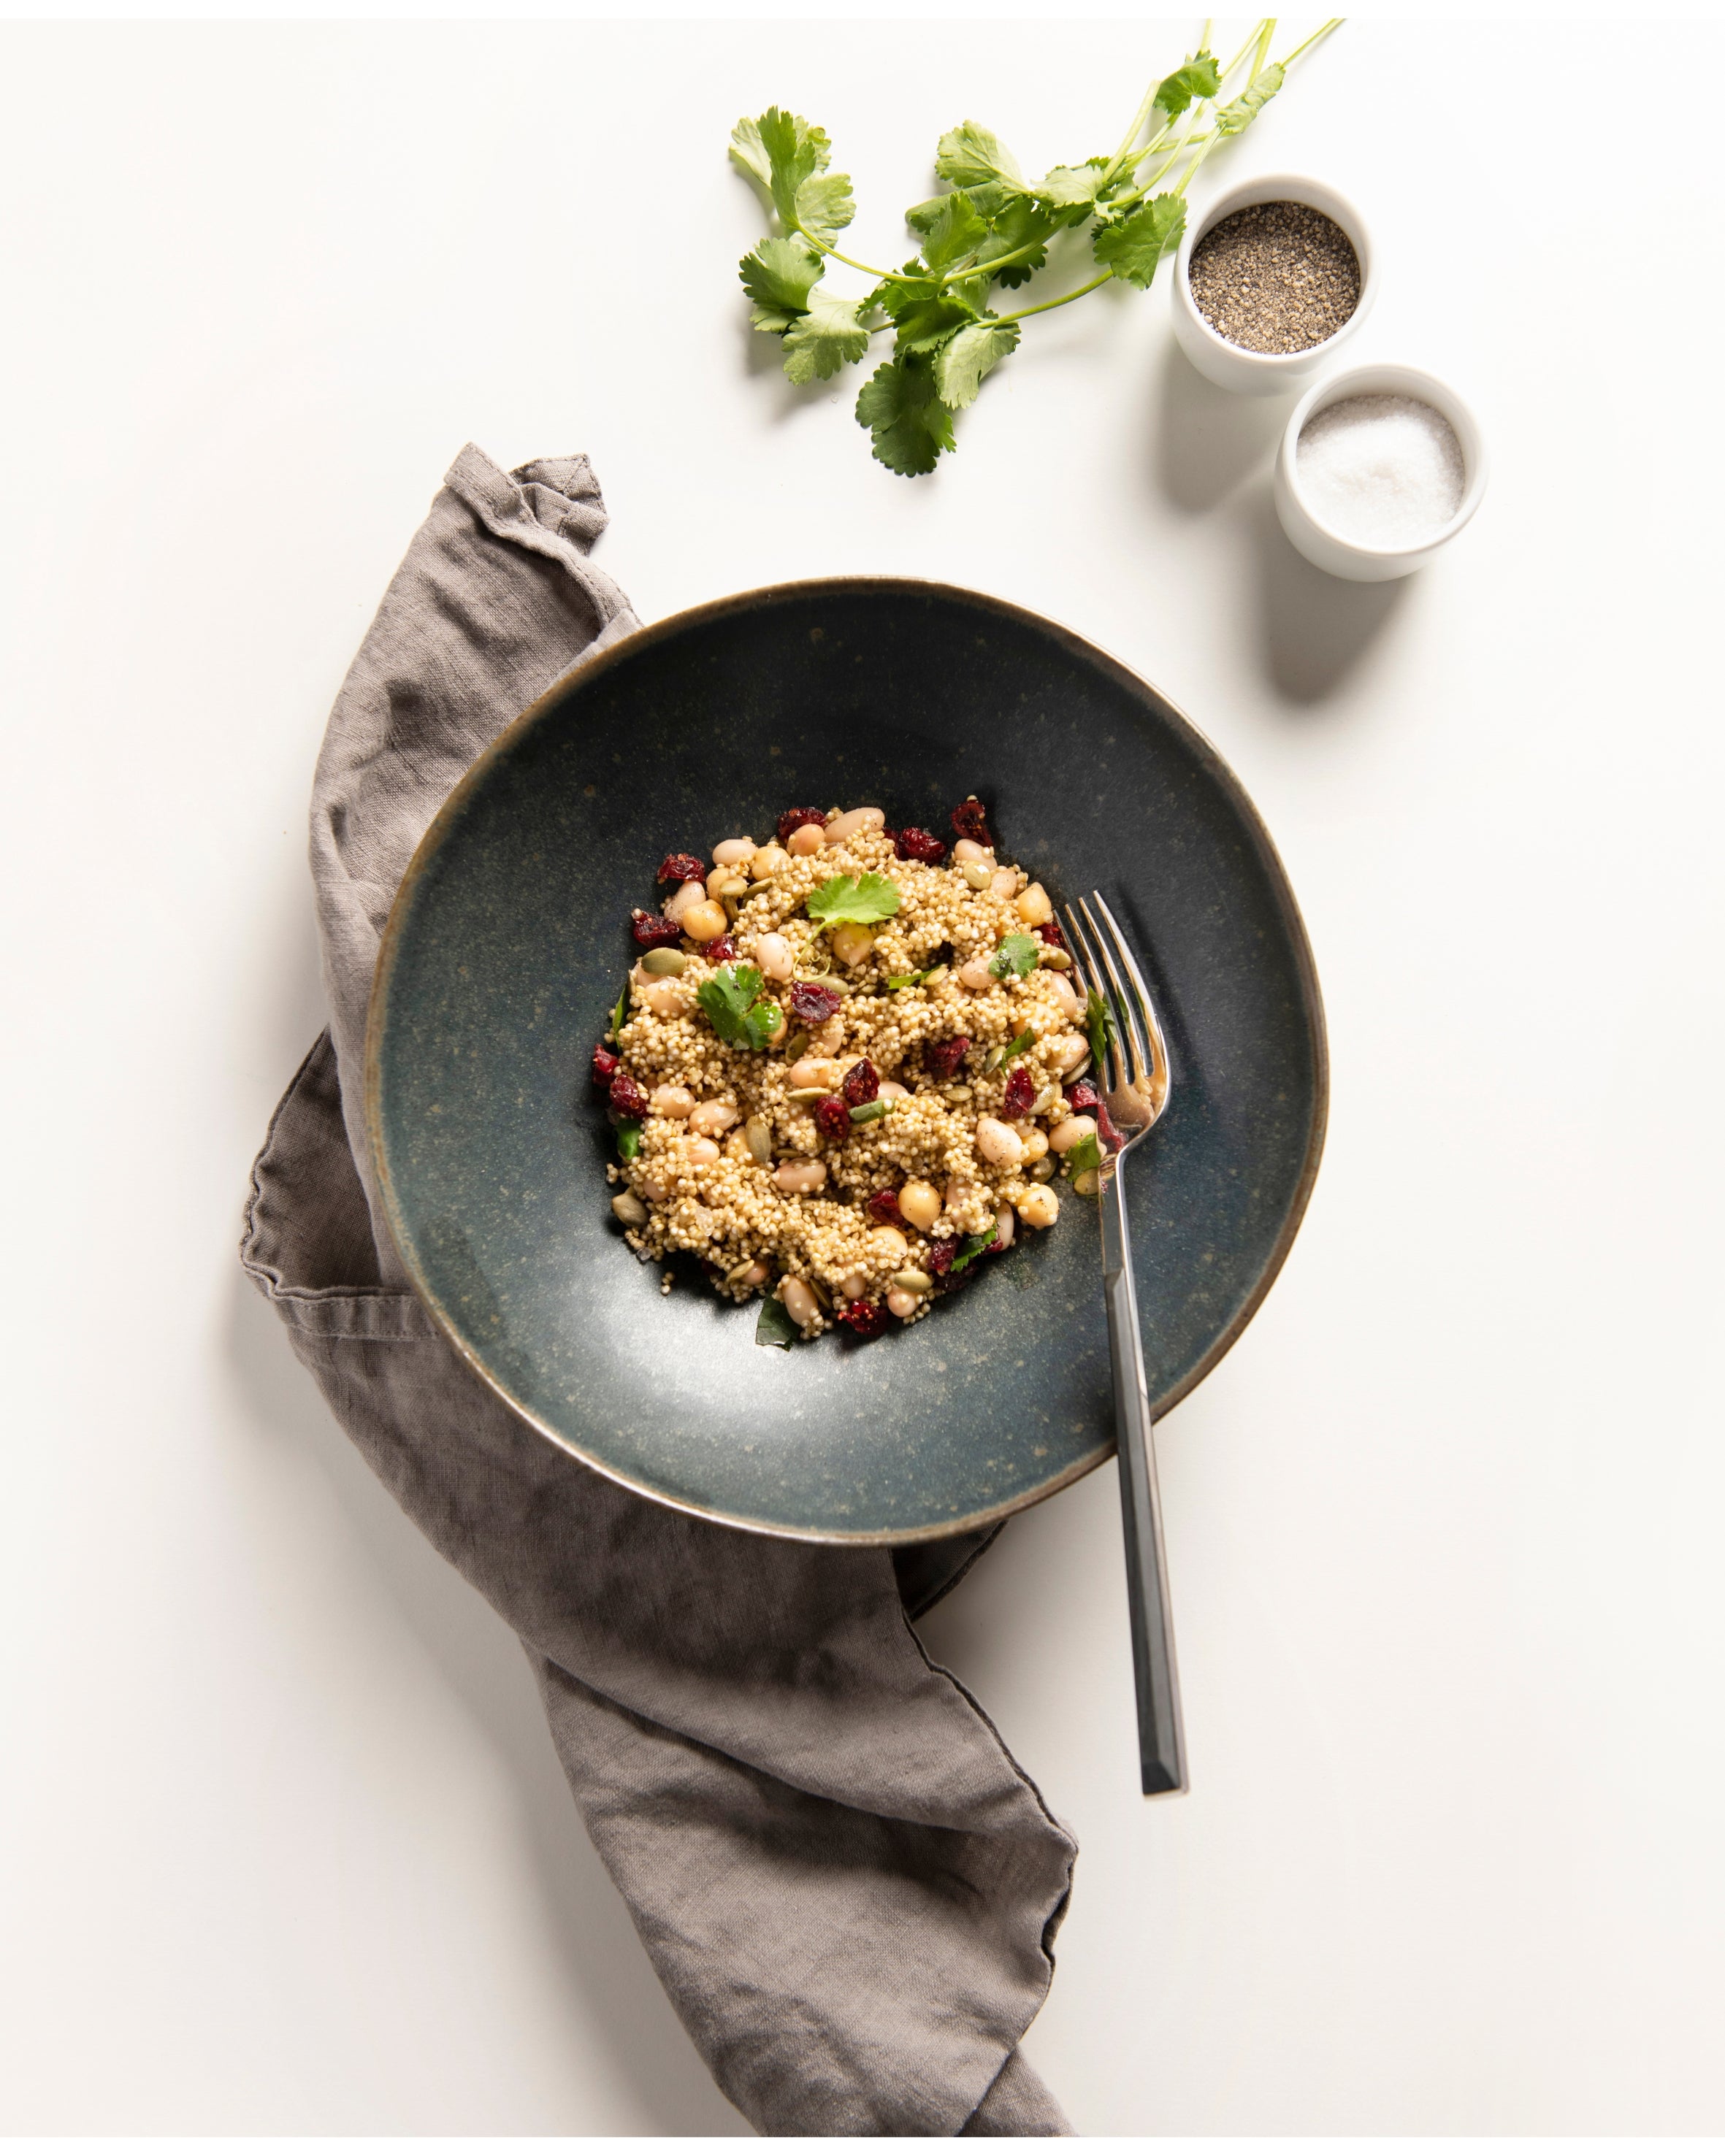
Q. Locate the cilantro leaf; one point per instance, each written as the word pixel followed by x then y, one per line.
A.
pixel 861 898
pixel 953 233
pixel 973 1247
pixel 1017 954
pixel 1132 248
pixel 908 424
pixel 1022 1047
pixel 923 313
pixel 1234 119
pixel 825 205
pixel 969 155
pixel 1099 1026
pixel 628 1137
pixel 909 980
pixel 775 1327
pixel 1018 223
pixel 1086 1153
pixel 962 361
pixel 729 1000
pixel 779 152
pixel 778 276
pixel 1200 77
pixel 821 340
pixel 622 1012
pixel 1071 187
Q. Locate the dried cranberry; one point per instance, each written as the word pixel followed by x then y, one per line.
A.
pixel 654 932
pixel 1105 1128
pixel 793 819
pixel 867 1320
pixel 1021 1094
pixel 628 1095
pixel 1082 1099
pixel 681 868
pixel 720 952
pixel 832 1118
pixel 941 1253
pixel 913 844
pixel 862 1084
pixel 810 1004
pixel 945 1057
pixel 883 1208
pixel 1049 930
pixel 970 820
pixel 605 1065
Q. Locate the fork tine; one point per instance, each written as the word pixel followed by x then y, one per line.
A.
pixel 1131 1022
pixel 1146 1002
pixel 1096 983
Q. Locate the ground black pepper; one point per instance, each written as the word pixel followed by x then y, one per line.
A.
pixel 1277 276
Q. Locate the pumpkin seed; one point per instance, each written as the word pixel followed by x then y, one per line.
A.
pixel 1056 961
pixel 1043 1171
pixel 1045 1100
pixel 664 962
pixel 978 875
pixel 732 886
pixel 957 1092
pixel 1085 1182
pixel 629 1209
pixel 755 890
pixel 802 1096
pixel 794 1046
pixel 736 1272
pixel 911 1280
pixel 993 1059
pixel 935 975
pixel 759 1136
pixel 871 1112
pixel 824 981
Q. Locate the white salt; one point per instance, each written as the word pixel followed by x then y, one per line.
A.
pixel 1381 471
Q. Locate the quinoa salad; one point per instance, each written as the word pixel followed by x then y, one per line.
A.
pixel 849 1064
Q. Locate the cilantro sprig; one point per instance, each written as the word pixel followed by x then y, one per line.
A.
pixel 1086 1153
pixel 1017 955
pixel 1099 1025
pixel 861 898
pixel 990 229
pixel 730 1001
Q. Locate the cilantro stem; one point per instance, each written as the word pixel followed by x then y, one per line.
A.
pixel 825 247
pixel 1334 23
pixel 1065 299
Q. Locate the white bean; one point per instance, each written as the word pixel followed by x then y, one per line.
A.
pixel 755 1275
pixel 815 1070
pixel 685 896
pixel 807 838
pixel 702 1152
pixel 891 1090
pixel 967 849
pixel 1070 1052
pixel 1036 1144
pixel 998 1142
pixel 767 861
pixel 1003 1226
pixel 1067 996
pixel 654 1192
pixel 920 1204
pixel 732 853
pixel 851 822
pixel 712 1117
pixel 974 974
pixel 853 1287
pixel 1003 882
pixel 1039 1208
pixel 825 1037
pixel 798 1298
pixel 887 1246
pixel 1065 1135
pixel 666 998
pixel 800 1175
pixel 671 1101
pixel 773 955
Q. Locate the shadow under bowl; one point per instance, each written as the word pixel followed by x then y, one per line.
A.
pixel 508 945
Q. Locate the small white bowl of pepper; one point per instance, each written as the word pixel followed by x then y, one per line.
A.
pixel 1273 277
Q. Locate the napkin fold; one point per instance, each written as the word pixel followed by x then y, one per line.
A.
pixel 845 1883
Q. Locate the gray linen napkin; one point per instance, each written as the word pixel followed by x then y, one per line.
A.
pixel 848 1886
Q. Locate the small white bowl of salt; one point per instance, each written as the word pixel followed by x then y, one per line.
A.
pixel 1379 467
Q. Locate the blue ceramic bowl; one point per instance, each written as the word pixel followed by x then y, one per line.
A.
pixel 508 944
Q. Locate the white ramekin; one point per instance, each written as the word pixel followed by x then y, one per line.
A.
pixel 1266 373
pixel 1325 549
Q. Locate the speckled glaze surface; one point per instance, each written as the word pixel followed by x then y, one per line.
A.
pixel 509 943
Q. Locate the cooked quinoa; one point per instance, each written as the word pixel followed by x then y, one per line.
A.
pixel 858 1156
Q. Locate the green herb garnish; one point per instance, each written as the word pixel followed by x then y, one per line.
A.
pixel 973 1247
pixel 628 1137
pixel 1022 1047
pixel 1086 1153
pixel 1099 1025
pixel 910 980
pixel 775 1327
pixel 622 1012
pixel 1017 954
pixel 863 898
pixel 991 229
pixel 729 1001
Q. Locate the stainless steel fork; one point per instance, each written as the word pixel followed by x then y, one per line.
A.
pixel 1132 1075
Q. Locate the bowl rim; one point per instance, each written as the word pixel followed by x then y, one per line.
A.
pixel 708 610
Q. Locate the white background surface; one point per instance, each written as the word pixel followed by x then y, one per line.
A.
pixel 286 1848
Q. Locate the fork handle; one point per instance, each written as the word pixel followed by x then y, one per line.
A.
pixel 1162 1740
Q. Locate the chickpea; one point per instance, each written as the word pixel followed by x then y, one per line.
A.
pixel 1035 907
pixel 738 1148
pixel 654 1192
pixel 797 1297
pixel 901 1301
pixel 852 943
pixel 1039 1208
pixel 702 1152
pixel 815 1070
pixel 629 1209
pixel 666 998
pixel 801 1176
pixel 712 1117
pixel 732 853
pixel 998 1142
pixel 851 822
pixel 891 1090
pixel 773 955
pixel 704 919
pixel 1036 1144
pixel 853 1287
pixel 682 898
pixel 1004 1226
pixel 1067 996
pixel 1003 882
pixel 974 975
pixel 887 1246
pixel 1065 1135
pixel 920 1204
pixel 807 838
pixel 767 861
pixel 967 849
pixel 755 1275
pixel 675 1100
